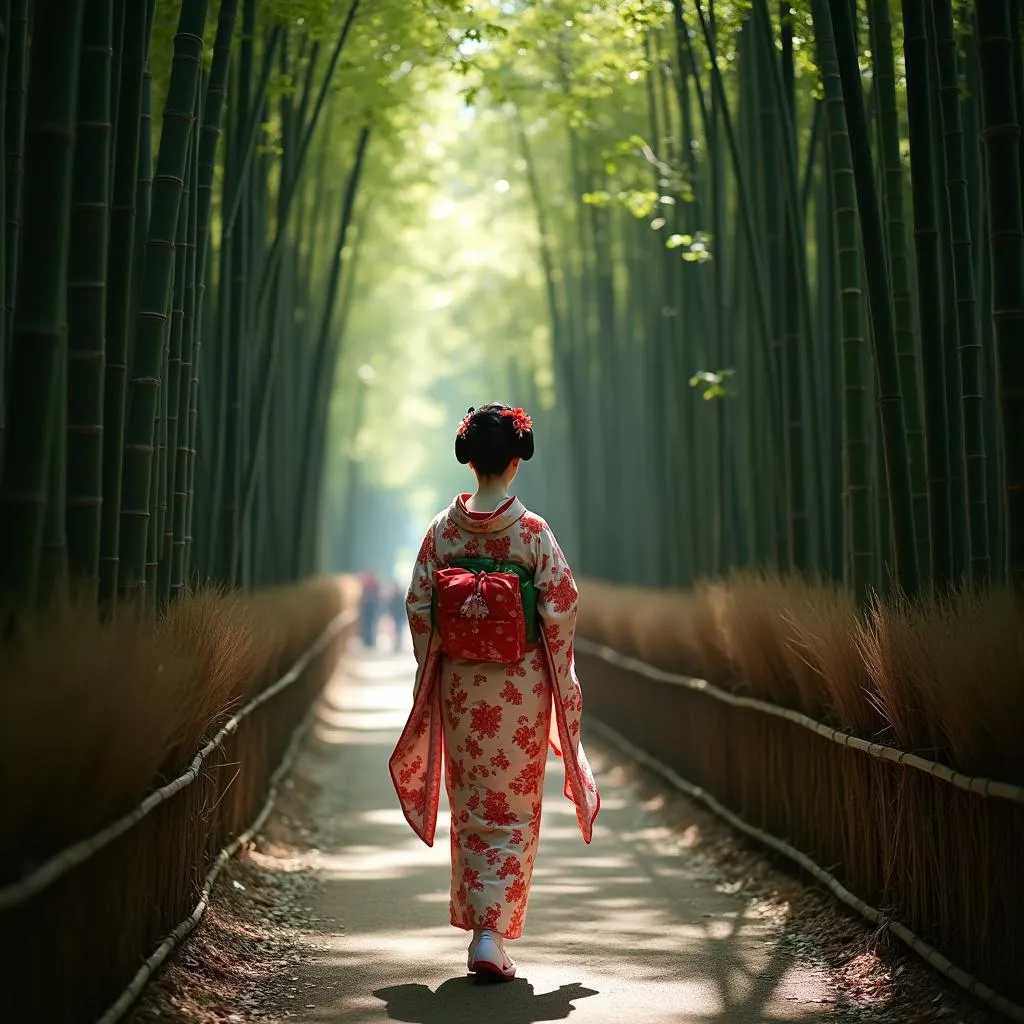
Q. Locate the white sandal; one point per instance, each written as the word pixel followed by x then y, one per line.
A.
pixel 487 955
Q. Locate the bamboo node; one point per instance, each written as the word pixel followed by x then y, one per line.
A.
pixel 1010 128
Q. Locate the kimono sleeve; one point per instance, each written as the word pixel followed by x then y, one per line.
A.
pixel 557 603
pixel 417 601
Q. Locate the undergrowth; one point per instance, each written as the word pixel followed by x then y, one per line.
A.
pixel 942 675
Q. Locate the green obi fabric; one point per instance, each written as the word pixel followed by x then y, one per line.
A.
pixel 527 590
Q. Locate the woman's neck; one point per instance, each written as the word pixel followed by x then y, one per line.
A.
pixel 489 495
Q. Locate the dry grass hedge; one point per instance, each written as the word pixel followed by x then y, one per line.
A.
pixel 942 677
pixel 93 716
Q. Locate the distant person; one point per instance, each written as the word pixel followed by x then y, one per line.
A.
pixel 491 667
pixel 396 609
pixel 369 609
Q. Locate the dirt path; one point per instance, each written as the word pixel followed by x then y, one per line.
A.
pixel 340 913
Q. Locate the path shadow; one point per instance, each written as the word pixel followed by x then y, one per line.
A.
pixel 470 1001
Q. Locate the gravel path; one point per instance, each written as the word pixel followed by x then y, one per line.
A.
pixel 339 914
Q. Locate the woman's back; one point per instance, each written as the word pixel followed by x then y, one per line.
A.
pixel 497 716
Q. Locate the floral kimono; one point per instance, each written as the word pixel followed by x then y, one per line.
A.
pixel 493 722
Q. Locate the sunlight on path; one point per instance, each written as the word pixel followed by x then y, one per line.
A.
pixel 627 929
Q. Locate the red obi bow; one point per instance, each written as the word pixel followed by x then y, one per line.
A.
pixel 480 615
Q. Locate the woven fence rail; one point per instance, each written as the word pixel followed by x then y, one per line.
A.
pixel 78 928
pixel 931 853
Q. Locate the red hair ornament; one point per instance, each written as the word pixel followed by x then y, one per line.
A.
pixel 521 422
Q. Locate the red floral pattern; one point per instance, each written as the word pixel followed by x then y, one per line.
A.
pixel 493 789
pixel 498 547
pixel 497 810
pixel 486 720
pixel 516 891
pixel 455 704
pixel 511 866
pixel 510 695
pixel 528 779
pixel 563 594
pixel 428 551
pixel 553 635
pixel 530 528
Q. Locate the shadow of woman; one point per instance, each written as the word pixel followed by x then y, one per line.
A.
pixel 469 1001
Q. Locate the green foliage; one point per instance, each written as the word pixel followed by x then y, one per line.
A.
pixel 694 248
pixel 713 383
pixel 449 289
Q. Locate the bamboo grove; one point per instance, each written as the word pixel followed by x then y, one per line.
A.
pixel 784 269
pixel 179 189
pixel 781 248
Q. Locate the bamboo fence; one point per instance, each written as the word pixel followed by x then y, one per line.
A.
pixel 912 845
pixel 77 926
pixel 155 960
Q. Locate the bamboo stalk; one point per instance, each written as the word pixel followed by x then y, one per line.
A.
pixel 743 203
pixel 929 285
pixel 180 512
pixel 146 377
pixel 968 346
pixel 884 82
pixel 87 311
pixel 1001 137
pixel 233 198
pixel 797 310
pixel 237 252
pixel 120 283
pixel 5 256
pixel 162 536
pixel 883 326
pixel 265 375
pixel 38 343
pixel 858 539
pixel 324 361
pixel 16 84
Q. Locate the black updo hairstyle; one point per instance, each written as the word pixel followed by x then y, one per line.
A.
pixel 491 441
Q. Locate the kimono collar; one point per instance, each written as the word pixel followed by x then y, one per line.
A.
pixel 503 517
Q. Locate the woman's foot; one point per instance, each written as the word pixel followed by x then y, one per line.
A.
pixel 487 955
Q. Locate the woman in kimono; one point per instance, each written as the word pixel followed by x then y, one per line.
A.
pixel 492 721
